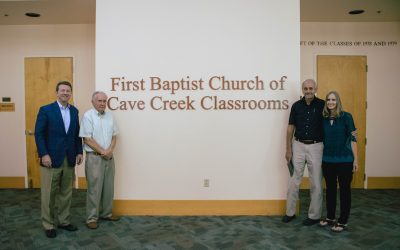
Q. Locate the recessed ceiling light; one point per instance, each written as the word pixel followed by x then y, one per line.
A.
pixel 31 14
pixel 356 12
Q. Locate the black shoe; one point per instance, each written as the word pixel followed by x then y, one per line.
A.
pixel 111 218
pixel 310 222
pixel 326 222
pixel 287 219
pixel 68 227
pixel 51 233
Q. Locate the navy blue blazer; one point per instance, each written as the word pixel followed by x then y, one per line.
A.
pixel 51 138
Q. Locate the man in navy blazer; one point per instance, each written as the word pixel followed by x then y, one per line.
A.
pixel 60 149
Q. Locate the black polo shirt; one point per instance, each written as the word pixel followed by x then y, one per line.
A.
pixel 307 119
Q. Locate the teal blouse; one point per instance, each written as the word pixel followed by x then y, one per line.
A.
pixel 338 138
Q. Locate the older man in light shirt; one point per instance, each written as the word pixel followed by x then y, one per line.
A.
pixel 99 131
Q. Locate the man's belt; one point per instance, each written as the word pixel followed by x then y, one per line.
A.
pixel 307 141
pixel 92 152
pixel 95 153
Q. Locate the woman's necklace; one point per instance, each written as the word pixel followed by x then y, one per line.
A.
pixel 331 119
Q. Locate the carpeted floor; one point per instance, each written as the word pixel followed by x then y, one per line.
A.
pixel 374 224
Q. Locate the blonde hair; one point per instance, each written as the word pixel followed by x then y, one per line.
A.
pixel 338 109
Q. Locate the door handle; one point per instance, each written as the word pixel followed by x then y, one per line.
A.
pixel 29 132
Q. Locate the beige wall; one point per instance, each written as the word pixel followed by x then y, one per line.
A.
pixel 167 154
pixel 20 41
pixel 17 42
pixel 383 86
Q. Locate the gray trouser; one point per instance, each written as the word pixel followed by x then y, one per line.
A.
pixel 100 187
pixel 56 188
pixel 312 155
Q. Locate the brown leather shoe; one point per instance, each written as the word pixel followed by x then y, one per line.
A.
pixel 111 218
pixel 92 225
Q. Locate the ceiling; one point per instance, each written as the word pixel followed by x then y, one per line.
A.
pixel 84 11
pixel 337 10
pixel 51 11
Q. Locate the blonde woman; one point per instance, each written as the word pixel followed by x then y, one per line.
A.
pixel 339 160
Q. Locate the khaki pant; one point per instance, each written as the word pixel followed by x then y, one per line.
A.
pixel 56 191
pixel 100 187
pixel 312 154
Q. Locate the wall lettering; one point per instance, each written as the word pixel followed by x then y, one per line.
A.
pixel 349 43
pixel 162 93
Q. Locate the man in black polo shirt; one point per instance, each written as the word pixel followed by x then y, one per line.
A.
pixel 305 123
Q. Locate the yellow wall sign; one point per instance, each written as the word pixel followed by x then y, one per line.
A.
pixel 7 107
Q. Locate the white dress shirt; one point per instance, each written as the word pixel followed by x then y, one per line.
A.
pixel 66 116
pixel 100 127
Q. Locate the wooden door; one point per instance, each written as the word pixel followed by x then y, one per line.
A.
pixel 41 77
pixel 348 76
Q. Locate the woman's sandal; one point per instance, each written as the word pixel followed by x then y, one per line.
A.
pixel 326 222
pixel 338 227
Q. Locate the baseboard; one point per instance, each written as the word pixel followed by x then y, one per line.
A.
pixel 199 207
pixel 373 183
pixel 383 183
pixel 305 183
pixel 12 182
pixel 82 183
